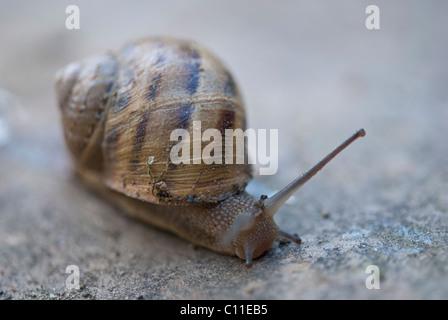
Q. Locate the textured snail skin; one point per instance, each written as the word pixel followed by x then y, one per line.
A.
pixel 118 110
pixel 210 226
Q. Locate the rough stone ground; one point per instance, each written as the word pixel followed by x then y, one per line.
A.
pixel 310 69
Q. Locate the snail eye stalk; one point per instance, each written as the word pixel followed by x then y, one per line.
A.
pixel 271 205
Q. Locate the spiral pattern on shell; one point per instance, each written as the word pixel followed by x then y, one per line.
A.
pixel 118 111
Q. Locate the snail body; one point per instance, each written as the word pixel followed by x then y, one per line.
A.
pixel 118 112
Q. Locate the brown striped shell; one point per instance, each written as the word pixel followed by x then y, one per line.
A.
pixel 118 111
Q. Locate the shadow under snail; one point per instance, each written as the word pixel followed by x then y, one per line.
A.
pixel 118 111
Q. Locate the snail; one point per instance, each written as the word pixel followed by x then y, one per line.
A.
pixel 118 111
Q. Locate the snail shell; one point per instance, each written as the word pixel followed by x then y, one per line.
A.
pixel 118 112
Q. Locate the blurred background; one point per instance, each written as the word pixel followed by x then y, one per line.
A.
pixel 308 68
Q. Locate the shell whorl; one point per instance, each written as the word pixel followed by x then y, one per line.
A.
pixel 120 109
pixel 83 91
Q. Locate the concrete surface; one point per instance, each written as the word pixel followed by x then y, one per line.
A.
pixel 309 68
